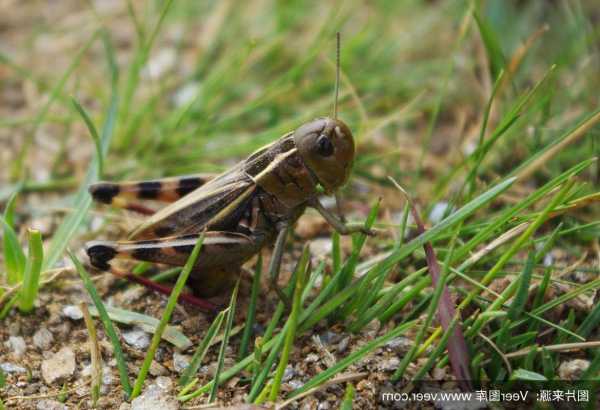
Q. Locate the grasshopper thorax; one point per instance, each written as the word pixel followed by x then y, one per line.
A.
pixel 327 148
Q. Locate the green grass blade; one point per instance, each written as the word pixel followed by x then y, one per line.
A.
pixel 518 303
pixel 590 323
pixel 250 318
pixel 147 323
pixel 201 350
pixel 527 375
pixel 106 322
pixel 348 397
pixel 276 344
pixel 291 328
pixel 221 359
pixel 93 132
pixel 33 268
pixel 492 45
pixel 14 258
pixel 166 316
pixel 439 350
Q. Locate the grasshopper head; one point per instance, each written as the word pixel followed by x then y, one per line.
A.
pixel 327 148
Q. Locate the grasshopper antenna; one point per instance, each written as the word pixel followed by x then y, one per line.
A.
pixel 335 111
pixel 337 76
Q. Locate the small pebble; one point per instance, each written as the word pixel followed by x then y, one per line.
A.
pixel 399 344
pixel 295 384
pixel 324 405
pixel 180 362
pixel 329 337
pixel 107 378
pixel 43 339
pixel 50 405
pixel 572 369
pixel 389 364
pixel 17 344
pixel 12 368
pixel 137 338
pixel 60 365
pixel 343 345
pixel 164 383
pixel 72 312
pixel 288 373
pixel 157 369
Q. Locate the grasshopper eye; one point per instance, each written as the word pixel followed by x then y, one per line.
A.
pixel 324 146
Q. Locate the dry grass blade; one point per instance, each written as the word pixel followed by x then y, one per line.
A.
pixel 95 355
pixel 563 347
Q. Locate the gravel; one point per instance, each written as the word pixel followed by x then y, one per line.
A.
pixel 180 362
pixel 17 345
pixel 137 338
pixel 43 339
pixel 59 366
pixel 72 312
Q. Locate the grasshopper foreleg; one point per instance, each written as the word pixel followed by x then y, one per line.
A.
pixel 338 225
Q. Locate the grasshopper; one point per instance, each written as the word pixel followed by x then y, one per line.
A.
pixel 250 206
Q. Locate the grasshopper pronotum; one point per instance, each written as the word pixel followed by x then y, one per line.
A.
pixel 240 211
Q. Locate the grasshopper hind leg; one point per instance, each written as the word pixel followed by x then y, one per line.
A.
pixel 218 264
pixel 122 194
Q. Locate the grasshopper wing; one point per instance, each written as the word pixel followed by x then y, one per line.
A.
pixel 215 205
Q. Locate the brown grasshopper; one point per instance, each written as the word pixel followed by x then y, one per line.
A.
pixel 240 211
